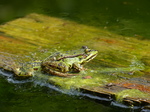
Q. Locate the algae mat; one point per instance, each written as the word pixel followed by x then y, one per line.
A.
pixel 120 72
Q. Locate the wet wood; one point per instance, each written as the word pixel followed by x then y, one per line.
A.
pixel 123 63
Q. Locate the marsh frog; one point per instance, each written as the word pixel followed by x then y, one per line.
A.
pixel 69 63
pixel 59 64
pixel 28 69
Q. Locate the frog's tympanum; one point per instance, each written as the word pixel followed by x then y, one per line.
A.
pixel 60 64
pixel 69 63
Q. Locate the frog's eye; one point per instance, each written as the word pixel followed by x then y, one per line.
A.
pixel 87 50
pixel 84 47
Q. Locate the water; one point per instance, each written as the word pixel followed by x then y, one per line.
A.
pixel 127 18
pixel 36 96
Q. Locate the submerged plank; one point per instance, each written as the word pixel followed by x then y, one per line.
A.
pixel 121 70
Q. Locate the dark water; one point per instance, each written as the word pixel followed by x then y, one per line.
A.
pixel 124 17
pixel 33 96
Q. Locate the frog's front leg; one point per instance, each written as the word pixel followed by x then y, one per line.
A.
pixel 77 67
pixel 60 74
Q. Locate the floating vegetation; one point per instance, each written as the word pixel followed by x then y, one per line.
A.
pixel 120 58
pixel 131 93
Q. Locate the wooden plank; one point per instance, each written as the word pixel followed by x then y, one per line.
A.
pixel 123 63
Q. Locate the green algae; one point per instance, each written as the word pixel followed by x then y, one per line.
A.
pixel 99 77
pixel 43 32
pixel 79 81
pixel 36 36
pixel 116 53
pixel 132 93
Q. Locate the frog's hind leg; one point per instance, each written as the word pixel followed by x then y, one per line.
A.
pixel 20 73
pixel 60 74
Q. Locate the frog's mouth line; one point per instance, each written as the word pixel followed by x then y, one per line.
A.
pixel 90 58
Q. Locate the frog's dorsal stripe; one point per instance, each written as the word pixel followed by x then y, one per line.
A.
pixel 72 56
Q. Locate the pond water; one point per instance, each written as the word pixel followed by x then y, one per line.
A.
pixel 124 17
pixel 32 96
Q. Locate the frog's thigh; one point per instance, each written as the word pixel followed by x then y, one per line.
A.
pixel 63 67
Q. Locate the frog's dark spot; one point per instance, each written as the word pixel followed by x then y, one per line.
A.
pixel 35 69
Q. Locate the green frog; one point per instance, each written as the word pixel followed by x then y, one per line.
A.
pixel 60 64
pixel 69 63
pixel 28 69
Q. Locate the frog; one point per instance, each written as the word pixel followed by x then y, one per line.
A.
pixel 69 63
pixel 60 64
pixel 27 69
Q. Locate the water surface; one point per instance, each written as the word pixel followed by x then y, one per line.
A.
pixel 26 96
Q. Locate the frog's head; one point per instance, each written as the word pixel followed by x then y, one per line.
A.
pixel 88 54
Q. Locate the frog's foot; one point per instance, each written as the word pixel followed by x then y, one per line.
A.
pixel 60 74
pixel 19 73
